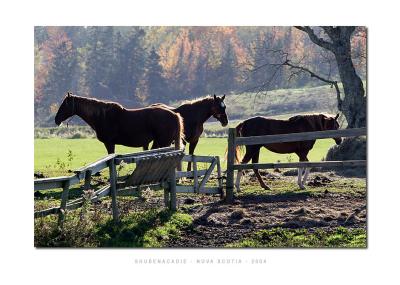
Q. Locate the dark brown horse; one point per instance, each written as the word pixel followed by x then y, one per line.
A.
pixel 114 124
pixel 195 113
pixel 259 126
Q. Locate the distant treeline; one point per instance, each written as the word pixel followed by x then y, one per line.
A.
pixel 137 66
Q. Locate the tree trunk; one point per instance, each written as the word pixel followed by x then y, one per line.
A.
pixel 354 103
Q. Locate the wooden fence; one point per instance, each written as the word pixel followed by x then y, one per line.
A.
pixel 234 141
pixel 201 176
pixel 85 173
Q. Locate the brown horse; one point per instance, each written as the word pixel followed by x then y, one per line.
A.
pixel 259 126
pixel 194 114
pixel 114 124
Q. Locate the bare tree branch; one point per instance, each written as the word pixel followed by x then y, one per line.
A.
pixel 314 75
pixel 315 39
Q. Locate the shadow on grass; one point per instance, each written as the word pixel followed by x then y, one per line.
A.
pixel 75 192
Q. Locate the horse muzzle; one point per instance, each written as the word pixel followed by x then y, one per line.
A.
pixel 57 121
pixel 338 141
pixel 222 118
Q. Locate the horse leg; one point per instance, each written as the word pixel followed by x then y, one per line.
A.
pixel 300 181
pixel 192 146
pixel 306 172
pixel 155 145
pixel 110 148
pixel 299 175
pixel 248 155
pixel 260 180
pixel 146 147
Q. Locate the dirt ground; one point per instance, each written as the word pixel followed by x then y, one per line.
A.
pixel 328 202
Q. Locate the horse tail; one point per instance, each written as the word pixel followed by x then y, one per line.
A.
pixel 179 134
pixel 239 149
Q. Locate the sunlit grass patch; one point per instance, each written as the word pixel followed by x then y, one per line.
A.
pixel 338 238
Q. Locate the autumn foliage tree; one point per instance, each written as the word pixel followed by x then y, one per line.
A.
pixel 140 65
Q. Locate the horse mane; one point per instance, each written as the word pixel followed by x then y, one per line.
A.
pixel 316 121
pixel 307 117
pixel 197 100
pixel 97 103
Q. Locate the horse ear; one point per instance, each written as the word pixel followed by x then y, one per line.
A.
pixel 69 94
pixel 223 97
pixel 337 116
pixel 215 97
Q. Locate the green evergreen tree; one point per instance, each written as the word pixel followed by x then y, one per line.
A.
pixel 225 74
pixel 61 71
pixel 156 84
pixel 99 58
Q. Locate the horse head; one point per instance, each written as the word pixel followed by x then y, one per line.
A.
pixel 66 110
pixel 331 123
pixel 218 110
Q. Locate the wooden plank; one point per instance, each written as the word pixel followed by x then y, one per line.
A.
pixel 63 204
pixel 172 189
pixel 141 155
pixel 210 190
pixel 50 183
pixel 199 158
pixel 129 191
pixel 207 175
pixel 230 164
pixel 95 166
pixel 300 164
pixel 195 174
pixel 145 171
pixel 190 174
pixel 294 137
pixel 54 182
pixel 136 175
pixel 46 212
pixel 164 164
pixel 158 169
pixel 105 191
pixel 171 163
pixel 77 203
pixel 135 190
pixel 113 189
pixel 184 189
pixel 204 190
pixel 128 158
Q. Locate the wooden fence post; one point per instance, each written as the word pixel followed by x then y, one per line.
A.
pixel 172 190
pixel 63 206
pixel 113 189
pixel 195 177
pixel 219 177
pixel 229 166
pixel 88 178
pixel 166 187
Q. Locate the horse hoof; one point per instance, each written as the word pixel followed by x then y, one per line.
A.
pixel 265 187
pixel 302 187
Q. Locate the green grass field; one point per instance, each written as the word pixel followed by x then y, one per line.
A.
pixel 55 156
